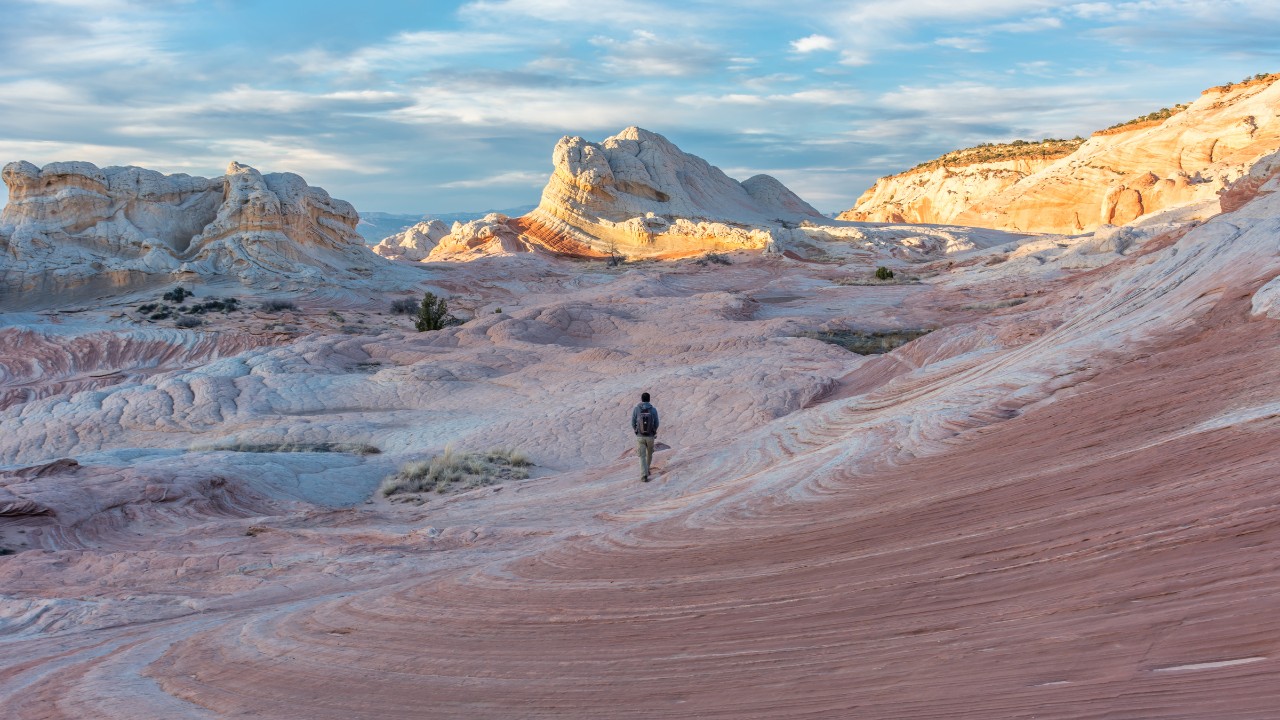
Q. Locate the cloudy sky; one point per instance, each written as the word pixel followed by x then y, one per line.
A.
pixel 446 106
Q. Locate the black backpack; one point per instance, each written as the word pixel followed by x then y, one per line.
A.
pixel 644 422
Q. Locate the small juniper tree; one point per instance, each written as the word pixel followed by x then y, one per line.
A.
pixel 433 313
pixel 883 273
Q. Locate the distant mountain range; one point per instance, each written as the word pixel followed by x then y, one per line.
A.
pixel 374 226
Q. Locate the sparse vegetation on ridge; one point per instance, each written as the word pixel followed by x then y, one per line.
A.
pixel 1157 116
pixel 1249 80
pixel 453 470
pixel 1046 149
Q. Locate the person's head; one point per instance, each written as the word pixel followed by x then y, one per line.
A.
pixel 644 397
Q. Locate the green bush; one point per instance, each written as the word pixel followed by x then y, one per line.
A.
pixel 404 306
pixel 433 313
pixel 883 273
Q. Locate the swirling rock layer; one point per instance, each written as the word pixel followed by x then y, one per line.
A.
pixel 1058 507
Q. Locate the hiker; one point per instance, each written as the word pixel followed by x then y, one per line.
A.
pixel 644 421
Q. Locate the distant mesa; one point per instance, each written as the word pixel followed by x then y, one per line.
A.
pixel 1176 157
pixel 69 221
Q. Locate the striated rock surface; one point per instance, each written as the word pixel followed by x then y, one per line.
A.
pixel 639 195
pixel 72 223
pixel 1115 177
pixel 939 191
pixel 414 244
pixel 1063 506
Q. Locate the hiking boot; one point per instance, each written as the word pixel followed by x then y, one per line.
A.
pixel 644 479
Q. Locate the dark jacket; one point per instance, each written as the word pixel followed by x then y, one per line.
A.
pixel 635 418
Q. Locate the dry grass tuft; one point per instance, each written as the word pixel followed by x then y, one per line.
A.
pixel 453 470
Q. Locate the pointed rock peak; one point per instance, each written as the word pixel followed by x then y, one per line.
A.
pixel 635 132
pixel 237 168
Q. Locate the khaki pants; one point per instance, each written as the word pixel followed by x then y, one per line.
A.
pixel 644 448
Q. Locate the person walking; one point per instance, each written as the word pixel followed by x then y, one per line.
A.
pixel 644 421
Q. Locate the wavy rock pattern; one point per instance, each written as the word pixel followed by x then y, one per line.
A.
pixel 1005 518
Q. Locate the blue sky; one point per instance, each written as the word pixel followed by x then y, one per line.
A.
pixel 455 106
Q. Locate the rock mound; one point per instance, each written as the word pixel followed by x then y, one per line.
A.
pixel 640 195
pixel 1115 177
pixel 415 244
pixel 70 221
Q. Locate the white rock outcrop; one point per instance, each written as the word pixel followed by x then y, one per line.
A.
pixel 414 244
pixel 640 195
pixel 69 222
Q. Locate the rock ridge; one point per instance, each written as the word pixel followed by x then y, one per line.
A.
pixel 1115 177
pixel 69 221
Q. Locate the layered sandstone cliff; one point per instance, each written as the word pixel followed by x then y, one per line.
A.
pixel 639 195
pixel 69 222
pixel 1115 177
pixel 936 192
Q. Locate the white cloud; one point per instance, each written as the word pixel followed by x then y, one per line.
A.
pixel 970 44
pixel 813 43
pixel 625 13
pixel 820 97
pixel 407 52
pixel 519 178
pixel 647 54
pixel 1036 24
pixel 289 154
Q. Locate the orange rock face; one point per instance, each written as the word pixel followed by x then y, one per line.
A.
pixel 1116 177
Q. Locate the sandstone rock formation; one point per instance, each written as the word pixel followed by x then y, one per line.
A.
pixel 1115 177
pixel 939 191
pixel 71 223
pixel 639 195
pixel 415 244
pixel 494 233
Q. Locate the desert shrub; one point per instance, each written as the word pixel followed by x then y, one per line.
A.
pixel 404 306
pixel 883 273
pixel 714 257
pixel 278 305
pixel 178 294
pixel 188 322
pixel 458 470
pixel 5 551
pixel 433 313
pixel 162 314
pixel 498 311
pixel 148 308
